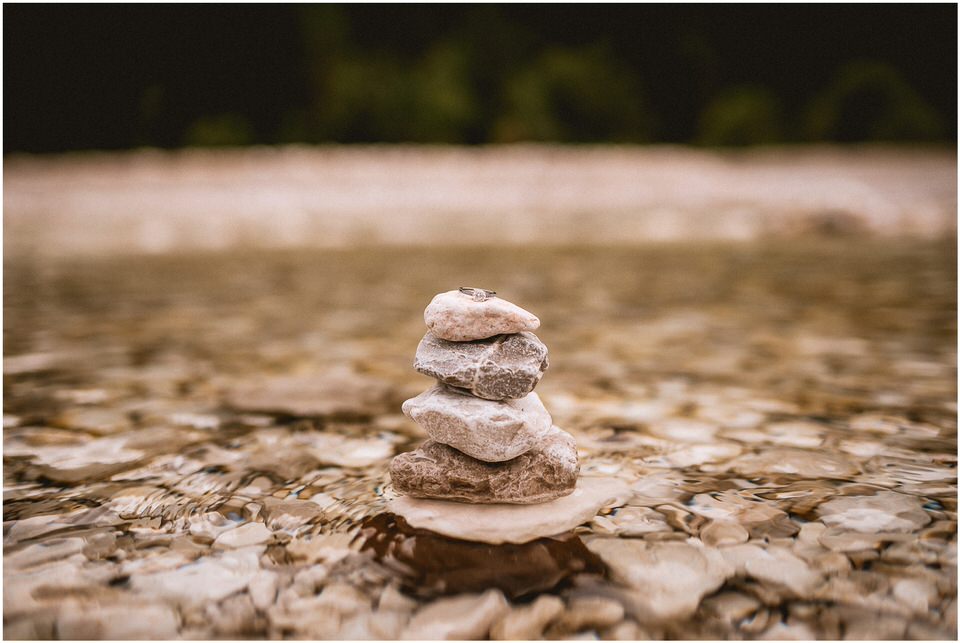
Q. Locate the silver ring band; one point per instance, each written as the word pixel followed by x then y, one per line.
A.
pixel 478 294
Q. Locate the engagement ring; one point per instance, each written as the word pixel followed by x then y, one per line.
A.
pixel 478 294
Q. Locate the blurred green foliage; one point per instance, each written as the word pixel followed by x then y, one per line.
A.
pixel 376 98
pixel 745 115
pixel 90 76
pixel 871 101
pixel 463 88
pixel 573 95
pixel 222 130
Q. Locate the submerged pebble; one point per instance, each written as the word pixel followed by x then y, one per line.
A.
pixel 667 579
pixel 465 617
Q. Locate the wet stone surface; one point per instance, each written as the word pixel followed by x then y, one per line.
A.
pixel 434 470
pixel 501 367
pixel 488 430
pixel 198 446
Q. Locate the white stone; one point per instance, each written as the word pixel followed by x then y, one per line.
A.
pixel 308 580
pixel 720 533
pixel 456 317
pixel 20 595
pixel 210 525
pixel 392 599
pixel 387 625
pixel 497 524
pixel 527 622
pixel 307 617
pixel 118 622
pixel 462 617
pixel 207 579
pixel 631 521
pixel 732 507
pixel 730 606
pixel 915 593
pixel 657 488
pixel 111 450
pixel 344 598
pixel 738 556
pixel 627 631
pixel 371 626
pixel 806 435
pixel 793 631
pixel 252 533
pixel 488 430
pixel 798 462
pixel 776 566
pixel 692 455
pixel 668 579
pixel 233 615
pixel 325 547
pixel 683 430
pixel 45 551
pixel 887 511
pixel 342 451
pixel 779 567
pixel 593 612
pixel 162 561
pixel 263 589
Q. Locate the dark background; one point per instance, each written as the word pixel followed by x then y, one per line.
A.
pixel 81 77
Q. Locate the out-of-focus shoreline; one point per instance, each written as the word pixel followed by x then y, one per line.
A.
pixel 345 196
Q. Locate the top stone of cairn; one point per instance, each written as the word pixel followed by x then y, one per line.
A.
pixel 459 317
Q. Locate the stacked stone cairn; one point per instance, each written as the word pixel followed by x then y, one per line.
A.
pixel 491 439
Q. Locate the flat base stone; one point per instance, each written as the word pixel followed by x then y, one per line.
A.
pixel 437 471
pixel 431 565
pixel 497 524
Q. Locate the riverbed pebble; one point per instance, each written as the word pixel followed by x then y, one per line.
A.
pixel 469 616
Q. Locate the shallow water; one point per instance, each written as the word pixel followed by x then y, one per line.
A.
pixel 197 445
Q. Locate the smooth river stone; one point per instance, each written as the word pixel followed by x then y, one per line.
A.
pixel 497 368
pixel 546 472
pixel 497 524
pixel 456 317
pixel 492 431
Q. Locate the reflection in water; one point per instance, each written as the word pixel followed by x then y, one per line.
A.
pixel 431 564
